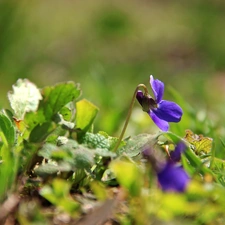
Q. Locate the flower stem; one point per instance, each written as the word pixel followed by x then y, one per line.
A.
pixel 129 114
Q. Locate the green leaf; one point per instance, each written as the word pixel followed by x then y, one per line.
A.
pixel 56 97
pixel 104 152
pixel 69 145
pixel 8 165
pixel 128 175
pixel 47 150
pixel 195 162
pixel 100 140
pixel 68 111
pixel 137 144
pixel 46 169
pixel 32 119
pixel 173 137
pixel 40 132
pixel 58 118
pixel 85 114
pixel 55 134
pixel 24 98
pixel 83 158
pixel 52 169
pixel 7 130
pixel 76 155
pixel 60 154
pixel 58 194
pixel 99 190
pixel 95 141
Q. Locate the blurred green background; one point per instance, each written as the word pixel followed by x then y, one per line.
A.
pixel 109 47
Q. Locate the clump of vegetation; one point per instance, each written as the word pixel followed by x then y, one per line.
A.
pixel 55 169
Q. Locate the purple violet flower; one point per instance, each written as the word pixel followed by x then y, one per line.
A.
pixel 161 111
pixel 173 178
pixel 175 155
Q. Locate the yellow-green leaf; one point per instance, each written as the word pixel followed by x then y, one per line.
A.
pixel 85 114
pixel 128 175
pixel 199 143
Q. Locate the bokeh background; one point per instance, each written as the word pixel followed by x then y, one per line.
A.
pixel 109 47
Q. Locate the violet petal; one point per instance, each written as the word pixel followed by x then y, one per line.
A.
pixel 176 154
pixel 168 111
pixel 173 178
pixel 162 124
pixel 157 88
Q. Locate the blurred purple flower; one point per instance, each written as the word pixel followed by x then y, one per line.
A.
pixel 171 176
pixel 175 155
pixel 161 111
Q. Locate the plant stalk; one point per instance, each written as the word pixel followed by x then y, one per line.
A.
pixel 129 114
